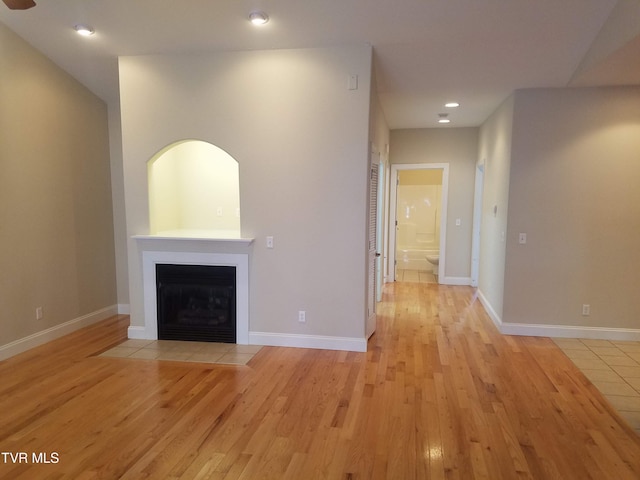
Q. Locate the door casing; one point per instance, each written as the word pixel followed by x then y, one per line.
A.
pixel 393 213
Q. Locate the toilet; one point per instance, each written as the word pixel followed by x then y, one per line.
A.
pixel 434 260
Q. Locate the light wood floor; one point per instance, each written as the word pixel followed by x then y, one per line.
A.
pixel 440 395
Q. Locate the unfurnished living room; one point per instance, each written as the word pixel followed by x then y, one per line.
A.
pixel 278 239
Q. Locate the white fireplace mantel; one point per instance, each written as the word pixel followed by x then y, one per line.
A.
pixel 193 250
pixel 211 237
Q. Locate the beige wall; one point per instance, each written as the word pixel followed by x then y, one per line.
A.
pixel 421 177
pixel 494 157
pixel 458 147
pixel 378 127
pixel 56 225
pixel 301 139
pixel 575 173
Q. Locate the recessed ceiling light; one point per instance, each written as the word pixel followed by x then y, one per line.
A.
pixel 258 17
pixel 443 118
pixel 84 30
pixel 452 104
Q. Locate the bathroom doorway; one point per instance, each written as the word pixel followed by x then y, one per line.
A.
pixel 418 227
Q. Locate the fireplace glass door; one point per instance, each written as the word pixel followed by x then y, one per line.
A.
pixel 196 302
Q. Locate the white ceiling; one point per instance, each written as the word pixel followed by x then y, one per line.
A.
pixel 427 52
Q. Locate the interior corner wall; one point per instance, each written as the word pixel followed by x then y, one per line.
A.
pixel 575 168
pixel 56 223
pixel 119 216
pixel 301 139
pixel 458 147
pixel 494 155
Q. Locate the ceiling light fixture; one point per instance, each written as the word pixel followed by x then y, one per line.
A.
pixel 452 104
pixel 443 118
pixel 84 30
pixel 258 17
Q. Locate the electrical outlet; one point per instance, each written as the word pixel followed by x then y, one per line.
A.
pixel 39 313
pixel 586 310
pixel 269 242
pixel 302 316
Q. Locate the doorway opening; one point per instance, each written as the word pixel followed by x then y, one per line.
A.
pixel 419 218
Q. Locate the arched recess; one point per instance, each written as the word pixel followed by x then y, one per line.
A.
pixel 194 191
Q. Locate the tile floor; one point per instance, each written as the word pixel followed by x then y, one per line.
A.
pixel 613 367
pixel 416 276
pixel 204 352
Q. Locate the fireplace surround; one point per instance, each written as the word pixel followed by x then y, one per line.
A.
pixel 155 249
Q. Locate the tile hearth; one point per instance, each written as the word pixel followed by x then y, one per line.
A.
pixel 172 350
pixel 416 276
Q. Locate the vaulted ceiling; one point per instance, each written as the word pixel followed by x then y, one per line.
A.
pixel 426 52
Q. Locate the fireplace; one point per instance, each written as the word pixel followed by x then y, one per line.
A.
pixel 174 250
pixel 196 302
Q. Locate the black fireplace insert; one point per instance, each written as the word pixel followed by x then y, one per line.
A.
pixel 196 302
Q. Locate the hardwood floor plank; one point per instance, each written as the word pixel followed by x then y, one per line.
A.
pixel 440 394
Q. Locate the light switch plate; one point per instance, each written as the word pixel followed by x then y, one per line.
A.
pixel 522 238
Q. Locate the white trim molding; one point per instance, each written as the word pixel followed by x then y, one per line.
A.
pixel 136 332
pixel 558 331
pixel 567 331
pixel 308 341
pixel 493 315
pixel 151 258
pixel 456 281
pixel 40 338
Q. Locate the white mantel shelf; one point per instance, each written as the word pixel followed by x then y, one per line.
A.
pixel 195 238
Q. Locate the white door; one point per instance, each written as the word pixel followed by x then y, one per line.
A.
pixel 373 253
pixel 379 232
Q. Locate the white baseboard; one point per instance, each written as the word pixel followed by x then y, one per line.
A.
pixel 39 338
pixel 456 281
pixel 139 333
pixel 558 331
pixel 490 310
pixel 308 341
pixel 565 331
pixel 283 340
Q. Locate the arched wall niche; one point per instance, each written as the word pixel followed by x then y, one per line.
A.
pixel 194 191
